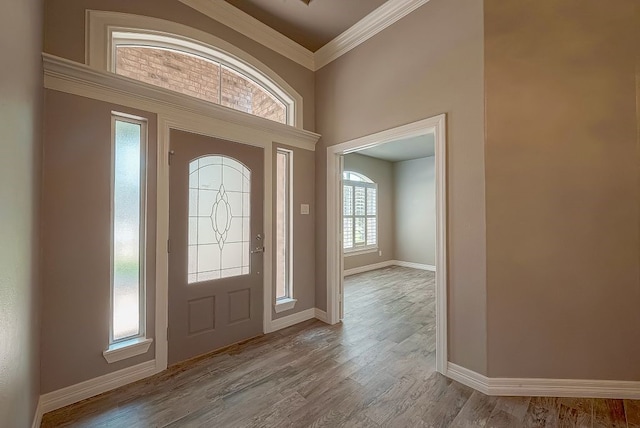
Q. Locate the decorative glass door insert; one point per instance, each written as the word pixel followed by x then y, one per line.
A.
pixel 219 218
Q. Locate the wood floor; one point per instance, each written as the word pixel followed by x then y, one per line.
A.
pixel 377 369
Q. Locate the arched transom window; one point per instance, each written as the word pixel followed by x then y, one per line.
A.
pixel 360 212
pixel 200 71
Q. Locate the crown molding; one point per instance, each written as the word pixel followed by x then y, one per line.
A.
pixel 360 32
pixel 247 25
pixel 78 79
pixel 363 30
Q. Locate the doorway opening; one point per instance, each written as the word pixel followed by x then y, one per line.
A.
pixel 386 205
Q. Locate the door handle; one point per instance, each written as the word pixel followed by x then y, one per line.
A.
pixel 257 250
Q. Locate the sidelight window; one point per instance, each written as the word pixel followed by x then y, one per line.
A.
pixel 128 227
pixel 283 224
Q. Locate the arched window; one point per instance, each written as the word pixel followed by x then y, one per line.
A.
pixel 197 70
pixel 360 212
pixel 219 218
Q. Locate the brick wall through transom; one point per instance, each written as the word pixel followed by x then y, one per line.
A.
pixel 198 77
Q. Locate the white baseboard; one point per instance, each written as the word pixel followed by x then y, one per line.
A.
pixel 290 320
pixel 321 315
pixel 489 386
pixel 565 388
pixel 37 417
pixel 545 387
pixel 83 390
pixel 90 388
pixel 367 268
pixel 421 266
pixel 468 377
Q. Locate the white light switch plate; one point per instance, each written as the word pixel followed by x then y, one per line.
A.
pixel 304 209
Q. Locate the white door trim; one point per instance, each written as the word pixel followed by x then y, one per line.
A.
pixel 435 125
pixel 176 111
pixel 67 76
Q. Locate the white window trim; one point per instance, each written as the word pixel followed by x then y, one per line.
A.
pixel 127 349
pixel 363 178
pixel 362 249
pixel 285 304
pixel 103 28
pixel 139 344
pixel 288 301
pixel 142 38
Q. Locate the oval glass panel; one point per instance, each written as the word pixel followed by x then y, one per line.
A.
pixel 218 216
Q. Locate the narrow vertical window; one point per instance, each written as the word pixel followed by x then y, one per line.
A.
pixel 283 225
pixel 127 266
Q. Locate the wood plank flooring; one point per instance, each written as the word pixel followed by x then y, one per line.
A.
pixel 377 369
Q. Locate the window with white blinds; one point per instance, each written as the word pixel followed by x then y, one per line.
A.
pixel 360 213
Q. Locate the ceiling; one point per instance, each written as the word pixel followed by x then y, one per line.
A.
pixel 311 26
pixel 421 146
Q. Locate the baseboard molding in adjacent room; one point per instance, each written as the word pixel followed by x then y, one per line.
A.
pixel 374 266
pixel 421 266
pixel 321 315
pixel 367 268
pixel 535 387
pixel 83 390
pixel 288 321
pixel 37 417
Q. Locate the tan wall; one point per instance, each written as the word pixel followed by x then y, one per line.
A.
pixel 562 189
pixel 381 172
pixel 76 225
pixel 65 30
pixel 303 230
pixel 428 63
pixel 415 210
pixel 20 160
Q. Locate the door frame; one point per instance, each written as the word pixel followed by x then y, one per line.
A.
pixel 335 269
pixel 203 125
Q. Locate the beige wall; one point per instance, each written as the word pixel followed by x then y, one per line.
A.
pixel 381 172
pixel 547 286
pixel 64 31
pixel 428 63
pixel 76 228
pixel 20 159
pixel 303 230
pixel 415 210
pixel 562 189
